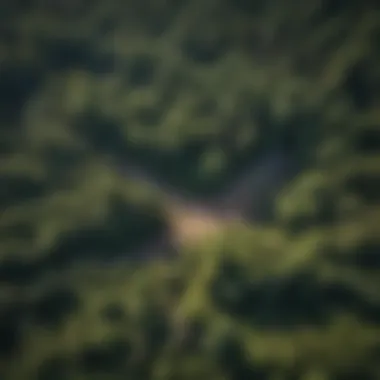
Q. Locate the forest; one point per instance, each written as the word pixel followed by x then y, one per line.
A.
pixel 124 123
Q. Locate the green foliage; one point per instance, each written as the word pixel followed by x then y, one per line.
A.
pixel 193 92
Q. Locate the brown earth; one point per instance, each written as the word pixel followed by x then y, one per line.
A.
pixel 191 220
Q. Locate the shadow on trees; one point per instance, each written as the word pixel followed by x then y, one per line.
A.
pixel 325 214
pixel 102 133
pixel 282 303
pixel 148 117
pixel 17 84
pixel 199 49
pixel 367 141
pixel 232 358
pixel 16 188
pixel 114 314
pixel 17 272
pixel 141 71
pixel 10 329
pixel 364 185
pixel 362 373
pixel 155 326
pixel 178 169
pixel 64 53
pixel 109 357
pixel 125 229
pixel 55 368
pixel 54 307
pixel 360 87
pixel 60 163
pixel 364 257
pixel 247 6
pixel 158 20
pixel 22 231
pixel 50 310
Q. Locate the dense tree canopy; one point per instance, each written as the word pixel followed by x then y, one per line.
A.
pixel 193 91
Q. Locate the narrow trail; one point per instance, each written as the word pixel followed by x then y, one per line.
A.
pixel 189 218
pixel 259 183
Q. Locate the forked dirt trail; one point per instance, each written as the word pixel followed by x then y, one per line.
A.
pixel 192 219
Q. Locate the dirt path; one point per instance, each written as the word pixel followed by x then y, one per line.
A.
pixel 190 217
